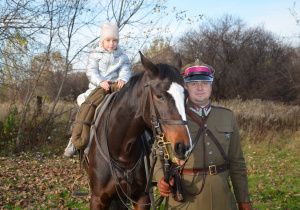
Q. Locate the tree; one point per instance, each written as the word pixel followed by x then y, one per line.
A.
pixel 13 63
pixel 70 27
pixel 159 51
pixel 249 62
pixel 295 15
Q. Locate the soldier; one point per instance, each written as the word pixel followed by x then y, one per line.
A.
pixel 216 156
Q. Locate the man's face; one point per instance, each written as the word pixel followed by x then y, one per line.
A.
pixel 199 92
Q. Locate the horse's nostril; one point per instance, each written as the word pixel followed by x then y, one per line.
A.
pixel 180 148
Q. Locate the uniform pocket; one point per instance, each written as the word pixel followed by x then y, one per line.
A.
pixel 224 135
pixel 224 128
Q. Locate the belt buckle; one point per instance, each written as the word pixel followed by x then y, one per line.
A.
pixel 212 170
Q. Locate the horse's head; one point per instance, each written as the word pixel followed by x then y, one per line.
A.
pixel 165 89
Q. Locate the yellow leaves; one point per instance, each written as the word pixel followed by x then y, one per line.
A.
pixel 17 43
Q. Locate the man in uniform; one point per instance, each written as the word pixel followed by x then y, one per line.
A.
pixel 205 174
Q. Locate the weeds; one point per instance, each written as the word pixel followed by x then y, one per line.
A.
pixel 38 132
pixel 260 120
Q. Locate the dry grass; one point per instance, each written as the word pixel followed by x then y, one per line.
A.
pixel 270 113
pixel 259 121
pixel 38 132
pixel 61 108
pixel 275 123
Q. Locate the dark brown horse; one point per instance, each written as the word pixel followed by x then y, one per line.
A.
pixel 115 157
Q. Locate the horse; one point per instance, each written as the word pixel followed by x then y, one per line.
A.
pixel 115 169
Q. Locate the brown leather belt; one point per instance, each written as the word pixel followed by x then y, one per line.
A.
pixel 211 170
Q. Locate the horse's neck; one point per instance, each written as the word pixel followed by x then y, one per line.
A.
pixel 126 127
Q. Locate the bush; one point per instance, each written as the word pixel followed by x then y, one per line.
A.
pixel 38 132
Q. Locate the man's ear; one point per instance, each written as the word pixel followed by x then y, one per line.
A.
pixel 185 86
pixel 186 96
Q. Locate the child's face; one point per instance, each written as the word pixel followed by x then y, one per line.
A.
pixel 110 44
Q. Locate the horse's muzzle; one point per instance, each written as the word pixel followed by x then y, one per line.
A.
pixel 180 150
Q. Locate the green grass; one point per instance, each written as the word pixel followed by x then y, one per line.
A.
pixel 273 176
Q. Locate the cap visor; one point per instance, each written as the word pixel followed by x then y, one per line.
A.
pixel 198 78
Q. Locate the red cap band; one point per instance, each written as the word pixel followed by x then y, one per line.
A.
pixel 197 69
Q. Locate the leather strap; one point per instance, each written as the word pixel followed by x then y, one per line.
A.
pixel 81 122
pixel 90 103
pixel 211 170
pixel 172 122
pixel 210 135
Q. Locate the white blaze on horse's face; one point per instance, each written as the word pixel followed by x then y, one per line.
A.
pixel 177 92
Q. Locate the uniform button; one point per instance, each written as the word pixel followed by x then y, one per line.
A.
pixel 211 162
pixel 210 152
pixel 208 143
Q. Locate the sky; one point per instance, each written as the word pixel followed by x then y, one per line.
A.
pixel 274 15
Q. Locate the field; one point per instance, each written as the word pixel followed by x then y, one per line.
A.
pixel 271 145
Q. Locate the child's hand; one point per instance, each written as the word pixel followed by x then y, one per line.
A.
pixel 105 84
pixel 121 83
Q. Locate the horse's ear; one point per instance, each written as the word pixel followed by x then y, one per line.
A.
pixel 177 61
pixel 152 70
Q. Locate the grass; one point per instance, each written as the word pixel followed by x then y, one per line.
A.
pixel 37 180
pixel 273 176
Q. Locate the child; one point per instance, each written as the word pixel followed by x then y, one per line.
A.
pixel 107 64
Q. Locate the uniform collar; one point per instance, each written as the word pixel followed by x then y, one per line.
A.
pixel 201 111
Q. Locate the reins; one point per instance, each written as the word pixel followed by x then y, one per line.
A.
pixel 114 164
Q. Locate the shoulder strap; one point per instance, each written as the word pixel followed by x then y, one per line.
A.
pixel 210 135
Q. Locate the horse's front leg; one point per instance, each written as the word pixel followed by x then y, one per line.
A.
pixel 144 198
pixel 99 202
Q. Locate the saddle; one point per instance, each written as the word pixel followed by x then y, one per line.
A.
pixel 85 116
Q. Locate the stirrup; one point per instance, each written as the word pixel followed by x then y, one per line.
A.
pixel 77 189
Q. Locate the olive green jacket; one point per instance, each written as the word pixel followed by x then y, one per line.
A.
pixel 216 193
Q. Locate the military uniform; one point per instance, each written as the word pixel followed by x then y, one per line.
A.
pixel 216 193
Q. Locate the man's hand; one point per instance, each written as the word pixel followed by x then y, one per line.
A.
pixel 164 188
pixel 105 84
pixel 121 83
pixel 245 206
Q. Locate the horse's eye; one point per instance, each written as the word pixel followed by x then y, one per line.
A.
pixel 160 97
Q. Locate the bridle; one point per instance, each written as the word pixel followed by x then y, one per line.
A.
pixel 160 142
pixel 155 121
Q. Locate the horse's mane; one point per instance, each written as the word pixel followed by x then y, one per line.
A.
pixel 169 72
pixel 131 83
pixel 165 72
